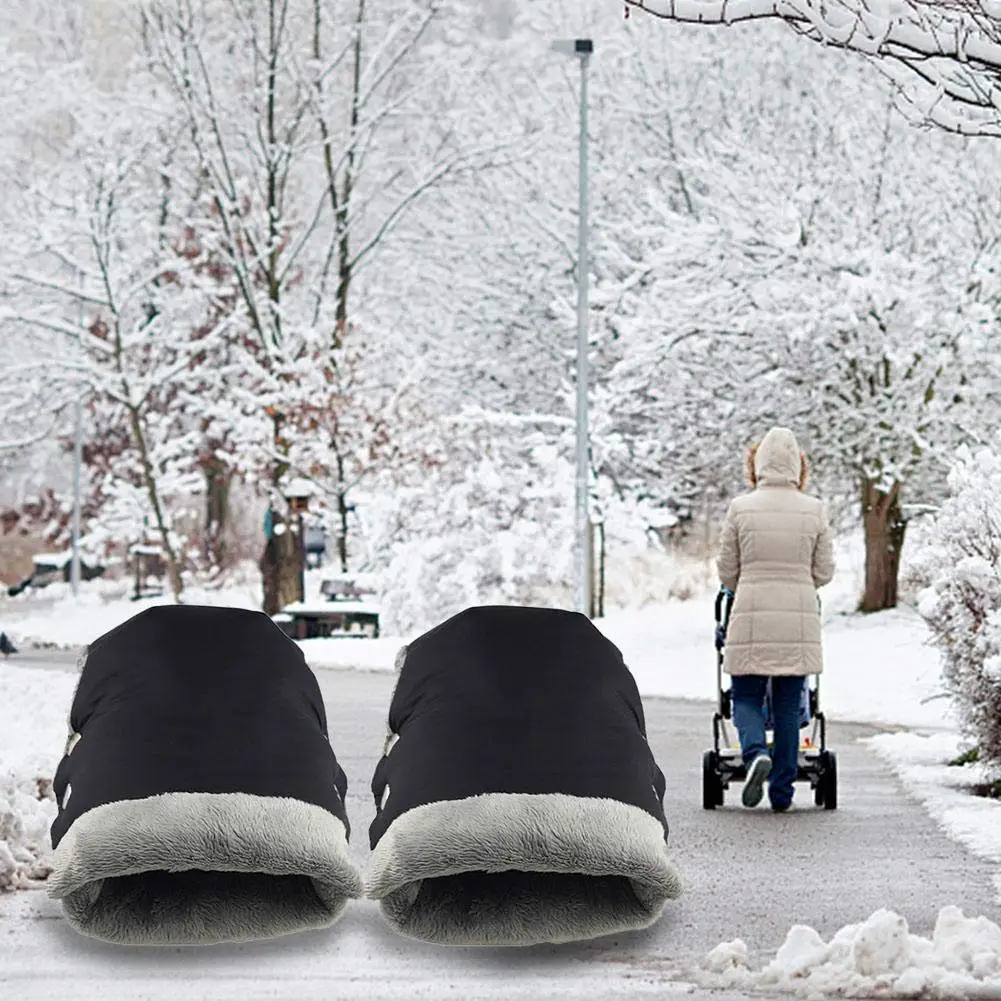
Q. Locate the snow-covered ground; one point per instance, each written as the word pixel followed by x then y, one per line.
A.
pixel 880 669
pixel 52 617
pixel 33 710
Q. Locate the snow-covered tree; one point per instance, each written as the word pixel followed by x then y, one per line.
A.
pixel 794 263
pixel 944 56
pixel 493 528
pixel 311 153
pixel 960 568
pixel 94 279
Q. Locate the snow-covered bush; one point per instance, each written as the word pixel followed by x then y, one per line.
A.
pixel 485 532
pixel 430 580
pixel 960 568
pixel 27 808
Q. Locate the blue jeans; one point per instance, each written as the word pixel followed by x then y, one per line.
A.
pixel 749 718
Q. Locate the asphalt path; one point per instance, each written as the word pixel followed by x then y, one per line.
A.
pixel 748 873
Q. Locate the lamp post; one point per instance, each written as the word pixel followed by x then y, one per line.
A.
pixel 75 529
pixel 581 48
pixel 77 467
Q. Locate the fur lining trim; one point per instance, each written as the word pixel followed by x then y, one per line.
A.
pixel 521 869
pixel 751 468
pixel 199 868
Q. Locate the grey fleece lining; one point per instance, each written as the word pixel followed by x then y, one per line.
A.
pixel 199 868
pixel 520 869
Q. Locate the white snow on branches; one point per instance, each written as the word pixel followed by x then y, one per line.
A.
pixel 960 569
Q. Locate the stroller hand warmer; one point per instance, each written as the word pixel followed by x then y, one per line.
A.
pixel 518 801
pixel 200 800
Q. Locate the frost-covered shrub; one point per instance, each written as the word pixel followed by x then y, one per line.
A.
pixel 490 536
pixel 960 569
pixel 432 579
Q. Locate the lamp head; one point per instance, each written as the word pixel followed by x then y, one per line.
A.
pixel 573 46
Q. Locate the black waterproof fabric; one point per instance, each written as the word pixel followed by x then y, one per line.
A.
pixel 504 699
pixel 200 800
pixel 518 800
pixel 184 698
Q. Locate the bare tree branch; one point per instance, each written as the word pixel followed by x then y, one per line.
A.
pixel 945 55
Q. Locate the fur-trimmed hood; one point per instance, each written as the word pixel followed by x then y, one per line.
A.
pixel 777 461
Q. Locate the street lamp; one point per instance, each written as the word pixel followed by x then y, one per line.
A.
pixel 581 48
pixel 77 467
pixel 75 524
pixel 297 492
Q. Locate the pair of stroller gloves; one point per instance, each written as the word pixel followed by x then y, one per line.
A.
pixel 201 801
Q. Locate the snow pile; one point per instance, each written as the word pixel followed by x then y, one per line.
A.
pixel 877 958
pixel 946 790
pixel 961 568
pixel 27 809
pixel 33 709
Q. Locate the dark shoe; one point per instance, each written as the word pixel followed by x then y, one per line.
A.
pixel 781 807
pixel 754 784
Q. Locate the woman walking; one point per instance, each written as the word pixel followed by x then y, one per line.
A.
pixel 775 551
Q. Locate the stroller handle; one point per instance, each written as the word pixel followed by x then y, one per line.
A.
pixel 723 614
pixel 724 602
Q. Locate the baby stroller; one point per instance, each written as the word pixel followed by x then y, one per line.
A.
pixel 724 764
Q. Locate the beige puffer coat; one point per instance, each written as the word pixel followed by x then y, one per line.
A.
pixel 775 551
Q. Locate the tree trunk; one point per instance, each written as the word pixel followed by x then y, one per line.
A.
pixel 884 526
pixel 152 491
pixel 342 530
pixel 281 558
pixel 343 510
pixel 280 568
pixel 217 486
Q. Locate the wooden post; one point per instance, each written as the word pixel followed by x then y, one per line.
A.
pixel 302 557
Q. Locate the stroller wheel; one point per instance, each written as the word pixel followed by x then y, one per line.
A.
pixel 826 793
pixel 712 784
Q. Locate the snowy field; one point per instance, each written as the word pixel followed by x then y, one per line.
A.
pixel 882 668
